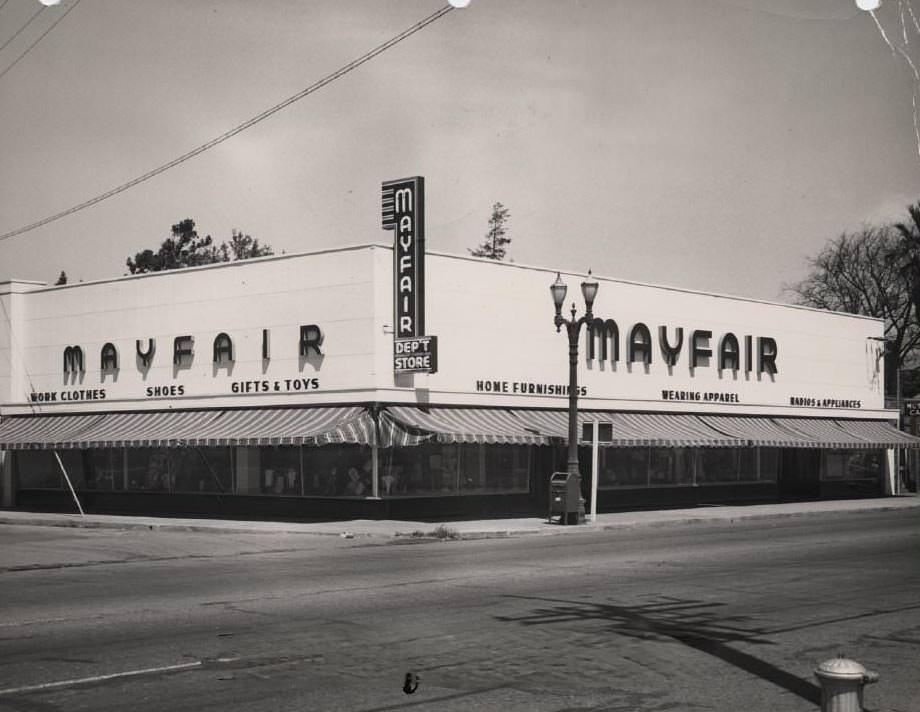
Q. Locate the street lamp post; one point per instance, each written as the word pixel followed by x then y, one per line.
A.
pixel 888 343
pixel 573 327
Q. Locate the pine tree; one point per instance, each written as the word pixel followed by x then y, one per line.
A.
pixel 496 240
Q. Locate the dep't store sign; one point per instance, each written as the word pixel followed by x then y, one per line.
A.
pixel 419 354
pixel 404 213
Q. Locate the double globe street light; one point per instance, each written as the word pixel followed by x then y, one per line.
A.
pixel 573 327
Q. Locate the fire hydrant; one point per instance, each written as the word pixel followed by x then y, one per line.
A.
pixel 842 681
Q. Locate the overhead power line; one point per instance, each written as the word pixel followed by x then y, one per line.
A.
pixel 354 64
pixel 40 38
pixel 19 31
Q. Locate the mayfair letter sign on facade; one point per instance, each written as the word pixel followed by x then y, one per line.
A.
pixel 404 214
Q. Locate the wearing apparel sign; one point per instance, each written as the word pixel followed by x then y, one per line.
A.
pixel 404 213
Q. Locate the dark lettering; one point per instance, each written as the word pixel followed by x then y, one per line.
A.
pixel 604 331
pixel 223 348
pixel 146 357
pixel 766 355
pixel 182 346
pixel 73 360
pixel 109 357
pixel 640 344
pixel 699 348
pixel 729 352
pixel 311 338
pixel 670 352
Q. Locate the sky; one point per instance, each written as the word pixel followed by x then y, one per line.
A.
pixel 705 144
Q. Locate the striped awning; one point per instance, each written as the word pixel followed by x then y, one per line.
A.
pixel 270 426
pixel 638 429
pixel 160 429
pixel 879 433
pixel 823 433
pixel 29 432
pixel 289 426
pixel 758 432
pixel 412 426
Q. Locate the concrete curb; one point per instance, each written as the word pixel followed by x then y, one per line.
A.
pixel 223 528
pixel 386 530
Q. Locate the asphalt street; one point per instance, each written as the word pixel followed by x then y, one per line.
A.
pixel 713 616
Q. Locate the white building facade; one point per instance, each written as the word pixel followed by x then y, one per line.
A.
pixel 271 387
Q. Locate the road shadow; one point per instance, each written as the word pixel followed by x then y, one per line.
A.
pixel 701 625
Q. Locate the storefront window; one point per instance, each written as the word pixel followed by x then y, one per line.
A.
pixel 670 466
pixel 148 470
pixel 429 469
pixel 336 471
pixel 851 464
pixel 747 465
pixel 37 469
pixel 717 465
pixel 865 464
pixel 281 470
pixel 205 469
pixel 507 468
pixel 303 471
pixel 106 469
pixel 622 467
pixel 87 469
pixel 329 471
pixel 441 469
pixel 769 463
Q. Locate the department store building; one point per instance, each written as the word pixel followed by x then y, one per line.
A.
pixel 381 380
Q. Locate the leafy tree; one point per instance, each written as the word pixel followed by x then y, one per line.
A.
pixel 186 248
pixel 496 240
pixel 864 273
pixel 908 259
pixel 62 279
pixel 243 247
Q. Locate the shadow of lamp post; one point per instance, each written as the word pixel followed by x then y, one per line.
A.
pixel 573 327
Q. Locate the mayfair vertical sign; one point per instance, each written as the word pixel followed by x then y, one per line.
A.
pixel 404 213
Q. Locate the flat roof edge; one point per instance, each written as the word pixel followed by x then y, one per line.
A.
pixel 200 268
pixel 43 286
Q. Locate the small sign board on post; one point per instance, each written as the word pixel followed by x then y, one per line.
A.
pixel 604 432
pixel 417 354
pixel 911 408
pixel 595 432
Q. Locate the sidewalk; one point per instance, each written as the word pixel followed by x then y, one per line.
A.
pixel 466 529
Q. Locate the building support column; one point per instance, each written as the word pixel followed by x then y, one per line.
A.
pixel 890 475
pixel 7 485
pixel 375 454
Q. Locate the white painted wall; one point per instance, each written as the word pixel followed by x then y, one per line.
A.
pixel 12 302
pixel 332 289
pixel 494 322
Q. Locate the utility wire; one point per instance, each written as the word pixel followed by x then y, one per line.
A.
pixel 40 38
pixel 354 64
pixel 3 4
pixel 19 31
